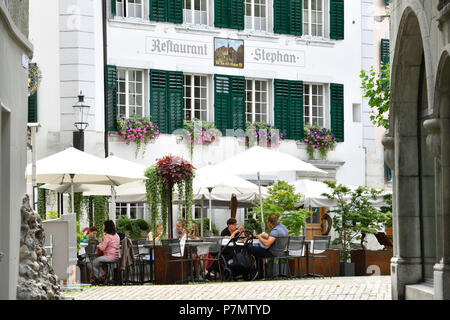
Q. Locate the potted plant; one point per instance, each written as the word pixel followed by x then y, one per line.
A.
pixel 354 216
pixel 320 139
pixel 262 134
pixel 168 172
pixel 199 132
pixel 139 130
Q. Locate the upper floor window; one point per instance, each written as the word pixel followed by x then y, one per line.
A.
pixel 314 104
pixel 313 18
pixel 256 101
pixel 256 15
pixel 129 8
pixel 195 97
pixel 130 91
pixel 195 11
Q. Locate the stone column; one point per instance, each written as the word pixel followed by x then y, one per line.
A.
pixel 406 264
pixel 439 141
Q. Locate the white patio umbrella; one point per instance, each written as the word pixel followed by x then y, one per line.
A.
pixel 77 167
pixel 257 160
pixel 312 194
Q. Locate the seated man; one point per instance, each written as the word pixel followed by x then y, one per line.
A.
pixel 260 251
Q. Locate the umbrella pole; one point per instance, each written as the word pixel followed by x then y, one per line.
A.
pixel 71 183
pixel 210 210
pixel 263 226
pixel 201 217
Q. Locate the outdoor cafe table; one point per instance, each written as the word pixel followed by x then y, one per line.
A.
pixel 174 271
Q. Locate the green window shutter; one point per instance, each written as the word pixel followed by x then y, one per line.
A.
pixel 158 10
pixel 237 14
pixel 222 102
pixel 158 99
pixel 32 108
pixel 175 11
pixel 384 51
pixel 110 98
pixel 337 19
pixel 175 100
pixel 237 103
pixel 386 2
pixel 222 13
pixel 281 106
pixel 281 16
pixel 296 18
pixel 113 8
pixel 337 111
pixel 296 110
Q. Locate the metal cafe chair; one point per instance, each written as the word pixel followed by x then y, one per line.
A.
pixel 295 251
pixel 280 245
pixel 147 263
pixel 215 251
pixel 319 249
pixel 173 247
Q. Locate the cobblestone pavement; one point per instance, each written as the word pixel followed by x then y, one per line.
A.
pixel 350 288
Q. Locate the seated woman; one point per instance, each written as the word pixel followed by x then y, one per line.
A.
pixel 193 234
pixel 109 247
pixel 159 233
pixel 232 229
pixel 181 228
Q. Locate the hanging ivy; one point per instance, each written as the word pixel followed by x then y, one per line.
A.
pixel 181 196
pixel 100 213
pixel 189 198
pixel 41 201
pixel 162 178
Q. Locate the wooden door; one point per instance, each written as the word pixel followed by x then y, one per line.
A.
pixel 314 223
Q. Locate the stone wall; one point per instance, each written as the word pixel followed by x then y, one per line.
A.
pixel 37 280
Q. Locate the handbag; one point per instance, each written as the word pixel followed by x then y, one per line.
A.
pixel 100 253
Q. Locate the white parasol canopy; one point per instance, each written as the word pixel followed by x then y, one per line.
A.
pixel 312 194
pixel 257 160
pixel 77 167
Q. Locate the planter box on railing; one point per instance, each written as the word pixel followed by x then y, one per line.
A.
pixel 372 262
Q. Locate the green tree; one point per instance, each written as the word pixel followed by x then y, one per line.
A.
pixel 284 202
pixel 354 215
pixel 376 87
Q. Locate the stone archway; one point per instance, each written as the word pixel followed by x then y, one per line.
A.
pixel 439 143
pixel 413 164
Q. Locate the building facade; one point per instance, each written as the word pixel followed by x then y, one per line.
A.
pixel 285 63
pixel 417 148
pixel 15 52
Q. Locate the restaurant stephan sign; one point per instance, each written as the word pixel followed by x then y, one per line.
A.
pixel 176 47
pixel 276 56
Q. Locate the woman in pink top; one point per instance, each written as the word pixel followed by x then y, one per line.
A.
pixel 109 246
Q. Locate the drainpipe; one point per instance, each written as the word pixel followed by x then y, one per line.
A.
pixel 105 62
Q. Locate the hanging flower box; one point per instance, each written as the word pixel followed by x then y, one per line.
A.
pixel 320 139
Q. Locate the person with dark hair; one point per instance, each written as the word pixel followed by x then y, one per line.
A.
pixel 232 229
pixel 265 248
pixel 91 235
pixel 108 249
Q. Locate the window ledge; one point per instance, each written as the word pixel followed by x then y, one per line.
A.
pixel 193 28
pixel 132 23
pixel 260 35
pixel 316 41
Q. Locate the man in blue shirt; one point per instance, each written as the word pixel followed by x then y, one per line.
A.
pixel 276 230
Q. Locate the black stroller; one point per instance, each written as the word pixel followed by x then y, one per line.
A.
pixel 237 259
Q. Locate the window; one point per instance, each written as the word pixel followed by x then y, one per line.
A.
pixel 131 210
pixel 136 211
pixel 129 8
pixel 256 101
pixel 256 15
pixel 195 11
pixel 197 213
pixel 313 18
pixel 314 217
pixel 121 210
pixel 130 92
pixel 314 106
pixel 195 97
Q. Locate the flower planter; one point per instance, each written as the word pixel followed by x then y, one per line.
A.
pixel 369 262
pixel 346 269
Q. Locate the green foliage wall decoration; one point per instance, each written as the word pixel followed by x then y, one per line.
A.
pixel 100 213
